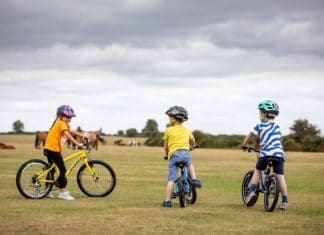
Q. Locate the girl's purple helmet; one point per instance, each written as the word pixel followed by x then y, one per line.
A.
pixel 65 110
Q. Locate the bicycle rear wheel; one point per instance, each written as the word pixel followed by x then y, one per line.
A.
pixel 191 196
pixel 181 192
pixel 272 194
pixel 245 189
pixel 26 179
pixel 99 185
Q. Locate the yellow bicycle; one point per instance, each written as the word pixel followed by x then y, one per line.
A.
pixel 95 178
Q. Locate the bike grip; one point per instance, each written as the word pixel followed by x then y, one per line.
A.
pixel 244 148
pixel 165 158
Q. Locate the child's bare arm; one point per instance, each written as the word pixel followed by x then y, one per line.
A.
pixel 166 148
pixel 67 134
pixel 247 140
pixel 73 132
pixel 192 143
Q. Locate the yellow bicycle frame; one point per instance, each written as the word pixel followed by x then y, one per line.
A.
pixel 81 154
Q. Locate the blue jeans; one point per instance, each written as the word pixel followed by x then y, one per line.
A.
pixel 179 156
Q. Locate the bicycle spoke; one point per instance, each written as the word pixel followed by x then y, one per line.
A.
pixel 26 179
pixel 101 183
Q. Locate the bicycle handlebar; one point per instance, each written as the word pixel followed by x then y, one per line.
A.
pixel 250 149
pixel 85 143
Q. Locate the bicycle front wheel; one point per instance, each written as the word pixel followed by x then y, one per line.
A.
pixel 28 182
pixel 101 183
pixel 272 194
pixel 245 189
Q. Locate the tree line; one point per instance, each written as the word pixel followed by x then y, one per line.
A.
pixel 304 136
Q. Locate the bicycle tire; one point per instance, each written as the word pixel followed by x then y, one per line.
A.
pixel 272 194
pixel 191 197
pixel 101 186
pixel 245 190
pixel 182 195
pixel 26 183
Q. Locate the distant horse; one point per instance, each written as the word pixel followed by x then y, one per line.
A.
pixel 40 139
pixel 133 143
pixel 119 143
pixel 93 136
pixel 5 146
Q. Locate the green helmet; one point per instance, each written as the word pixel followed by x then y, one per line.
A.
pixel 269 107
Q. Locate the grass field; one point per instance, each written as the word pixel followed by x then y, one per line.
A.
pixel 134 205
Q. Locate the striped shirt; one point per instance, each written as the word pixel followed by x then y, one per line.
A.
pixel 270 139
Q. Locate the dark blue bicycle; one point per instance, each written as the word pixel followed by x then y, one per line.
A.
pixel 268 184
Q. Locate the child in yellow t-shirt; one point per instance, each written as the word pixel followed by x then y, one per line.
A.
pixel 53 148
pixel 178 141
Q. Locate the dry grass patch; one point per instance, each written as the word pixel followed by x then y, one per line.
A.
pixel 134 205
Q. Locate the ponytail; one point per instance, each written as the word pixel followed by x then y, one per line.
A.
pixel 53 123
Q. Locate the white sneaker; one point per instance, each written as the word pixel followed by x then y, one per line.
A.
pixel 50 195
pixel 66 196
pixel 283 206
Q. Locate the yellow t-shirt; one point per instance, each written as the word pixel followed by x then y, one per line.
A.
pixel 53 140
pixel 178 138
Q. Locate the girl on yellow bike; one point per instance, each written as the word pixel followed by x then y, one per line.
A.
pixel 53 148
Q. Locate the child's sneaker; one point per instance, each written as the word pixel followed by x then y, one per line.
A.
pixel 251 199
pixel 50 195
pixel 283 206
pixel 196 183
pixel 166 204
pixel 66 196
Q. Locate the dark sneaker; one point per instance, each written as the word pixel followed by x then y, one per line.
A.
pixel 166 204
pixel 196 183
pixel 251 199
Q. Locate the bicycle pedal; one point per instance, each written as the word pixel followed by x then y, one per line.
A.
pixel 173 195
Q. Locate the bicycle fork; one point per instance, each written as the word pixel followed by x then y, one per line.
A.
pixel 91 170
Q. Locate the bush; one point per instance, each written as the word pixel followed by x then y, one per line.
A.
pixel 289 144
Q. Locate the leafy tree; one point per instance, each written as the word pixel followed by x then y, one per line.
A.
pixel 18 126
pixel 131 132
pixel 302 129
pixel 151 128
pixel 155 140
pixel 120 133
pixel 311 144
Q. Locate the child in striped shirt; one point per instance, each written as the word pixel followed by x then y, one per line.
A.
pixel 270 146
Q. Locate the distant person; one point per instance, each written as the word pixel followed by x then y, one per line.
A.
pixel 178 141
pixel 53 148
pixel 270 146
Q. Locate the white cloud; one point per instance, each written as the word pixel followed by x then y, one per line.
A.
pixel 118 64
pixel 112 102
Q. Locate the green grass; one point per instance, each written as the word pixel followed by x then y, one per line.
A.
pixel 134 205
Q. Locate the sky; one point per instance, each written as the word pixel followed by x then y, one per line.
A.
pixel 120 63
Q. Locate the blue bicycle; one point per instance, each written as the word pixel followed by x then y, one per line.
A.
pixel 268 184
pixel 184 188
